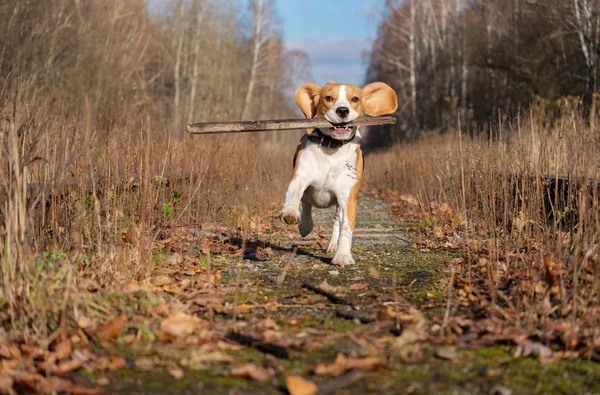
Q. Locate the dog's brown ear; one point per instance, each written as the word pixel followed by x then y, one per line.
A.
pixel 379 99
pixel 307 97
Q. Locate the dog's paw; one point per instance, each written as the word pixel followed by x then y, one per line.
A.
pixel 332 247
pixel 342 260
pixel 290 218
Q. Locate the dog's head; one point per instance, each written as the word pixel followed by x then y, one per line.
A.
pixel 343 103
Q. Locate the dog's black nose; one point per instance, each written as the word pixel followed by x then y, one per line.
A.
pixel 342 111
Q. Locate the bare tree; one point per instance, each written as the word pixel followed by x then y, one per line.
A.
pixel 586 24
pixel 265 29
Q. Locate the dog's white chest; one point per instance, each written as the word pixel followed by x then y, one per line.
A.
pixel 331 173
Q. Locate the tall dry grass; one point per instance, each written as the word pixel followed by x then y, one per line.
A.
pixel 526 194
pixel 83 198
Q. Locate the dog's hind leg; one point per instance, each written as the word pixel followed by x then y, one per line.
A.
pixel 306 221
pixel 335 233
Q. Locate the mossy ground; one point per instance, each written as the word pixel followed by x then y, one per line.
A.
pixel 389 270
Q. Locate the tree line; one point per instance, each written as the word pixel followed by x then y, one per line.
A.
pixel 484 60
pixel 172 62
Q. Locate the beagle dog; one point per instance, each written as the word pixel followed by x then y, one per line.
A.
pixel 328 164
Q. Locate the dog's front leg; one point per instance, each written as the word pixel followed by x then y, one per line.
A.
pixel 347 216
pixel 291 208
pixel 335 232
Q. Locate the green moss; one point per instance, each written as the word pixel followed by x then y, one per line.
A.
pixel 249 355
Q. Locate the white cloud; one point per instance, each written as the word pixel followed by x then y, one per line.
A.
pixel 335 59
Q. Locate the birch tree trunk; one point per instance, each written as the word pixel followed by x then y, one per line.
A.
pixel 195 66
pixel 583 25
pixel 413 65
pixel 179 39
pixel 257 40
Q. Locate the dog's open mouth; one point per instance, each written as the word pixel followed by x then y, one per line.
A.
pixel 341 132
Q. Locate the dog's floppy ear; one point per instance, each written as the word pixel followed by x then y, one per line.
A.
pixel 307 97
pixel 378 99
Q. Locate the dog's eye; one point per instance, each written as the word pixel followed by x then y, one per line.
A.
pixel 354 99
pixel 328 98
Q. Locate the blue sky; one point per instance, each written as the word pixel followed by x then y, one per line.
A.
pixel 334 33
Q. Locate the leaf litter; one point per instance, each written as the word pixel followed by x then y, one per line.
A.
pixel 210 303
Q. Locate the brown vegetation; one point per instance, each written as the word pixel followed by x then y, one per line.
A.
pixel 93 99
pixel 97 178
pixel 523 206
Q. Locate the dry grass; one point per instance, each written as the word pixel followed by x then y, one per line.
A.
pixel 536 238
pixel 85 199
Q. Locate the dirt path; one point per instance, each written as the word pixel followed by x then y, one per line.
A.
pixel 393 287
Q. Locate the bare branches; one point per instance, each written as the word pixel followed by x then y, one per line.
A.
pixel 457 57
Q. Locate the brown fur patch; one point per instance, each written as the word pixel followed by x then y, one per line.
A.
pixel 352 199
pixel 299 150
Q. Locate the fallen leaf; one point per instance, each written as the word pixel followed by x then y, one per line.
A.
pixel 526 348
pixel 53 384
pixel 63 349
pixel 251 371
pixel 163 280
pixel 180 324
pixel 205 245
pixel 343 364
pixel 448 353
pixel 144 363
pixel 83 321
pixel 177 373
pixel 6 384
pixel 68 366
pixel 112 328
pixel 359 286
pixel 204 301
pixel 117 363
pixel 326 287
pixel 297 385
pixel 410 199
pixel 78 390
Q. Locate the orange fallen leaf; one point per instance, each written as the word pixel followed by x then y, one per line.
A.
pixel 242 308
pixel 251 371
pixel 117 363
pixel 6 384
pixel 359 286
pixel 68 366
pixel 78 390
pixel 553 271
pixel 63 349
pixel 297 385
pixel 112 328
pixel 53 384
pixel 180 324
pixel 343 364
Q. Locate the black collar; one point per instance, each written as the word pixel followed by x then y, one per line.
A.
pixel 323 140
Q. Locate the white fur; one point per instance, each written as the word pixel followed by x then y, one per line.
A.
pixel 342 101
pixel 325 177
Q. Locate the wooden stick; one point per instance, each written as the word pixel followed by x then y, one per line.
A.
pixel 278 124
